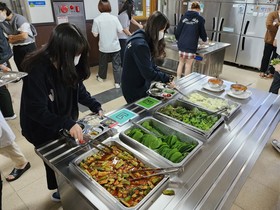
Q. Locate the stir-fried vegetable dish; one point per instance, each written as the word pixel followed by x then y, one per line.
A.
pixel 168 146
pixel 194 117
pixel 113 172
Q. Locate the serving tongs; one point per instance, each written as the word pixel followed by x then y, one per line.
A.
pixel 220 111
pixel 179 91
pixel 87 141
pixel 159 171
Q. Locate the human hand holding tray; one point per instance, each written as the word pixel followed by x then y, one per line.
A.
pixel 122 116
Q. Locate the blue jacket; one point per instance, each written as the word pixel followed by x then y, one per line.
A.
pixel 190 29
pixel 139 69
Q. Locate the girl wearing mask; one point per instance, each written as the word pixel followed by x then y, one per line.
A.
pixel 53 88
pixel 21 34
pixel 142 48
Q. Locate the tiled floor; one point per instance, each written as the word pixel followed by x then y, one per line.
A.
pixel 260 192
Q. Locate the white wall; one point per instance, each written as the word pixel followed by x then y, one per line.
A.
pixel 92 11
pixel 39 14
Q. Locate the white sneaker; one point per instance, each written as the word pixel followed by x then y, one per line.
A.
pixel 11 118
pixel 99 79
pixel 117 85
pixel 276 144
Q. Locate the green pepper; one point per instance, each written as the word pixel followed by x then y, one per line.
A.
pixel 168 192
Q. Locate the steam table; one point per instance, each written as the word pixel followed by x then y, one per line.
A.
pixel 211 63
pixel 211 179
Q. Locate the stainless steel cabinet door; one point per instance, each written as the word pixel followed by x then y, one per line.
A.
pixel 250 51
pixel 231 17
pixel 255 18
pixel 211 14
pixel 231 51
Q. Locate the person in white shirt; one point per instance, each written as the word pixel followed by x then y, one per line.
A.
pixel 108 26
pixel 125 18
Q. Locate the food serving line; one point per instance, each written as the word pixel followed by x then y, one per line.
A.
pixel 211 177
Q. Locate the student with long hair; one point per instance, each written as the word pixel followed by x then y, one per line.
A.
pixel 142 48
pixel 125 18
pixel 53 88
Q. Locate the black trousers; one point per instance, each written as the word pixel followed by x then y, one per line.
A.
pixel 20 52
pixel 123 44
pixel 6 105
pixel 1 186
pixel 51 179
pixel 269 53
pixel 275 85
pixel 116 62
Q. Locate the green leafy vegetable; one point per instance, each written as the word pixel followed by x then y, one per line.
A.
pixel 168 146
pixel 275 61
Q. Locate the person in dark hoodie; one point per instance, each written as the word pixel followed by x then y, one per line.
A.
pixel 190 29
pixel 53 88
pixel 142 48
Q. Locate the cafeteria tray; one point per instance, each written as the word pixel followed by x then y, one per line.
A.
pixel 7 77
pixel 188 106
pixel 161 90
pixel 234 106
pixel 102 193
pixel 166 130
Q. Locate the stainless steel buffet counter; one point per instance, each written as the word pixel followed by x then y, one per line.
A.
pixel 211 179
pixel 211 63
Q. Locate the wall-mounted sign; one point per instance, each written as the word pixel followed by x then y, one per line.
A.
pixel 38 3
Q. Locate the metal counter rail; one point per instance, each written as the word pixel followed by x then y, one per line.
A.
pixel 212 178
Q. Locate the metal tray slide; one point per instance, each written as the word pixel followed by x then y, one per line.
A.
pixel 188 106
pixel 166 130
pixel 103 193
pixel 233 106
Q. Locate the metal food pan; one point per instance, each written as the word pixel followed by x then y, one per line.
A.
pixel 231 103
pixel 186 105
pixel 166 130
pixel 144 203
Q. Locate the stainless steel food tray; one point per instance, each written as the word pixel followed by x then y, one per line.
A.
pixel 103 194
pixel 230 102
pixel 185 104
pixel 7 77
pixel 164 92
pixel 164 129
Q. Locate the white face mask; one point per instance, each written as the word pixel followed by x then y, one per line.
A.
pixel 160 35
pixel 3 16
pixel 77 59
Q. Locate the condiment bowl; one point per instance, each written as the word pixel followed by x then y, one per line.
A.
pixel 215 83
pixel 238 89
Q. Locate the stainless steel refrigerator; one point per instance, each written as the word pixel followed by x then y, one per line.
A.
pixel 174 10
pixel 251 44
pixel 223 22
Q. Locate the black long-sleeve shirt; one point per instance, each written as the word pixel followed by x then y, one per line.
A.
pixel 139 69
pixel 47 105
